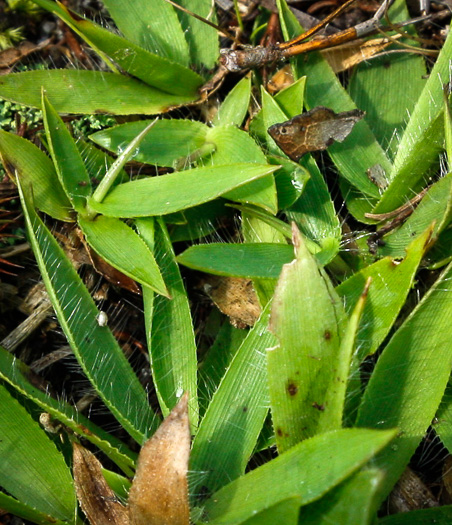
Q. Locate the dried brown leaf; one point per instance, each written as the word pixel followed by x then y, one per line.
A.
pixel 353 53
pixel 96 498
pixel 235 297
pixel 410 493
pixel 10 56
pixel 159 493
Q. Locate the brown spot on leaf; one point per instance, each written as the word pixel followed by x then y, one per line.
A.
pixel 327 335
pixel 316 405
pixel 292 388
pixel 280 432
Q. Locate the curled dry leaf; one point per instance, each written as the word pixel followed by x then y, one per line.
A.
pixel 96 498
pixel 159 493
pixel 314 130
pixel 235 297
pixel 353 53
pixel 10 56
pixel 410 493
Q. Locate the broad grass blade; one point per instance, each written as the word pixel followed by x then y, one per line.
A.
pixel 435 208
pixel 202 39
pixel 119 245
pixel 168 143
pixel 308 321
pixel 18 508
pixel 301 471
pixel 80 91
pixel 251 260
pixel 378 87
pixel 348 504
pixel 153 26
pixel 235 106
pixel 391 282
pixel 177 191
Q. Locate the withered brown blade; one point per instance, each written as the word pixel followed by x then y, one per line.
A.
pixel 314 130
pixel 159 493
pixel 96 498
pixel 235 297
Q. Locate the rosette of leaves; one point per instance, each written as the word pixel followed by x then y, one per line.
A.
pixel 292 380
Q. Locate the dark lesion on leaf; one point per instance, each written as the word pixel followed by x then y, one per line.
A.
pixel 292 388
pixel 327 335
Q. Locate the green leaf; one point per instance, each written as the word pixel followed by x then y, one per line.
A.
pixel 165 74
pixel 200 221
pixel 423 138
pixel 378 87
pixel 116 168
pixel 177 191
pixel 271 114
pixel 286 511
pixel 202 39
pixel 19 376
pixel 151 25
pixel 391 282
pixel 66 157
pixel 250 260
pixel 18 508
pixel 74 91
pixel 94 346
pixel 219 356
pixel 170 335
pixel 168 143
pixel 233 145
pixel 409 380
pixel 291 180
pixel 443 423
pixel 308 470
pixel 438 516
pixel 308 321
pixel 109 236
pixel 290 99
pixel 348 504
pixel 31 164
pixel 229 430
pixel 33 470
pixel 235 106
